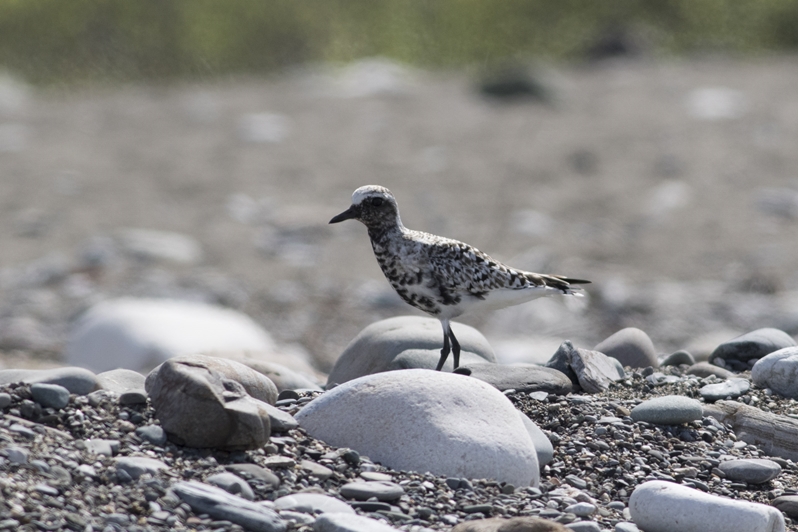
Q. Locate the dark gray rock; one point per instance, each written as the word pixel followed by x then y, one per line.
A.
pixel 705 369
pixel 50 395
pixel 631 346
pixel 787 504
pixel 232 483
pixel 361 491
pixel 678 358
pixel 5 400
pixel 752 345
pixel 750 470
pixel 280 420
pixel 188 389
pixel 79 381
pixel 133 397
pixel 521 378
pixel 219 504
pixel 668 410
pixel 732 388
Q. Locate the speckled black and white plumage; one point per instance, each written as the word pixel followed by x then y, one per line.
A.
pixel 441 276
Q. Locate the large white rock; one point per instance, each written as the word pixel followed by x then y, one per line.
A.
pixel 139 334
pixel 406 342
pixel 778 371
pixel 424 420
pixel 659 506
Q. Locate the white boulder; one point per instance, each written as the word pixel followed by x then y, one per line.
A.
pixel 778 371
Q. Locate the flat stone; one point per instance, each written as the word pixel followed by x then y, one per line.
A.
pixel 753 345
pixel 152 433
pixel 50 395
pixel 219 504
pixel 678 358
pixel 422 420
pixel 787 504
pixel 121 380
pixel 778 371
pixel 750 470
pixel 135 466
pixel 521 378
pixel 279 462
pixel 515 524
pixel 668 410
pixel 317 470
pixel 340 522
pixel 406 342
pixel 362 491
pixel 312 503
pixel 232 483
pixel 593 371
pixel 631 346
pixel 255 472
pixel 375 475
pixel 659 506
pixel 729 389
pixel 705 369
pixel 79 381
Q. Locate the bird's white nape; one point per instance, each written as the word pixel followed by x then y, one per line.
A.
pixel 369 191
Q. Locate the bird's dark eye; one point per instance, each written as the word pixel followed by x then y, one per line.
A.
pixel 377 201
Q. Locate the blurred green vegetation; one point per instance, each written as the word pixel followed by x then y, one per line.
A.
pixel 49 41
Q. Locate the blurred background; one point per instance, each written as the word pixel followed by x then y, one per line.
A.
pixel 196 149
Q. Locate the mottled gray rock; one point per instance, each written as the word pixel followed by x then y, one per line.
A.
pixel 255 472
pixel 705 369
pixel 362 491
pixel 521 378
pixel 731 388
pixel 593 371
pixel 188 389
pixel 152 433
pixel 340 522
pixel 515 524
pixel 658 506
pixel 232 483
pixel 631 346
pixel 543 446
pixel 120 380
pixel 787 504
pixel 750 470
pixel 406 342
pixel 50 395
pixel 668 410
pixel 678 358
pixel 79 381
pixel 312 503
pixel 135 466
pixel 778 371
pixel 752 345
pixel 139 334
pixel 219 504
pixel 422 420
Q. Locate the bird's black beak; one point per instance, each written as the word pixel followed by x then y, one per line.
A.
pixel 348 214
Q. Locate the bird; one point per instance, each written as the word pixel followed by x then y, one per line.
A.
pixel 440 276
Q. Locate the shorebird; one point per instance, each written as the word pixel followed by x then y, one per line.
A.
pixel 440 276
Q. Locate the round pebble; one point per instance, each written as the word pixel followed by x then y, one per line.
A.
pixel 750 470
pixel 50 395
pixel 668 410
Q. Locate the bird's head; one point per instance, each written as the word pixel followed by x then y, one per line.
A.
pixel 372 205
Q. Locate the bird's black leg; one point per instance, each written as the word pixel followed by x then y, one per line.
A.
pixel 455 348
pixel 445 350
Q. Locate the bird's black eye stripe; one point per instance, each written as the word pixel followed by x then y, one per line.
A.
pixel 377 201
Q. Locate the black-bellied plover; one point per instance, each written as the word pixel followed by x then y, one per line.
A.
pixel 443 277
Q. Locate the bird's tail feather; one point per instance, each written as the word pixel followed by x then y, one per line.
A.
pixel 563 283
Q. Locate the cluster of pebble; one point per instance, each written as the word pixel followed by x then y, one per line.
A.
pixel 583 444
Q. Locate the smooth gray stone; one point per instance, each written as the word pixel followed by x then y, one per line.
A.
pixel 317 470
pixel 732 388
pixel 750 470
pixel 778 371
pixel 283 377
pixel 312 503
pixel 350 523
pixel 135 466
pixel 668 410
pixel 543 446
pixel 594 371
pixel 787 504
pixel 219 504
pixel 103 447
pixel 133 397
pixel 50 395
pixel 152 433
pixel 361 491
pixel 631 346
pixel 79 381
pixel 755 344
pixel 255 472
pixel 17 455
pixel 23 431
pixel 581 509
pixel 187 389
pixel 232 483
pixel 626 526
pixel 120 380
pixel 705 369
pixel 280 420
pixel 521 378
pixel 678 358
pixel 5 400
pixel 405 342
pixel 584 526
